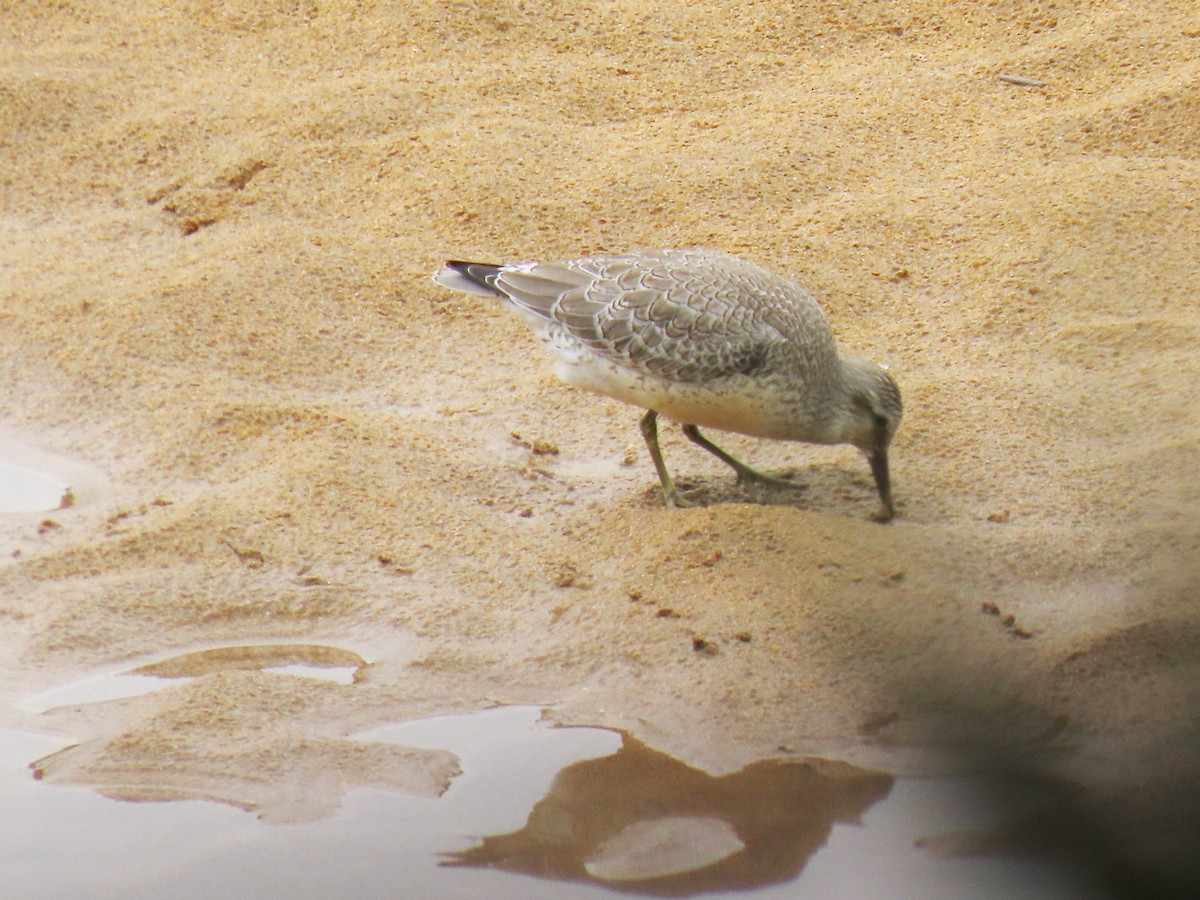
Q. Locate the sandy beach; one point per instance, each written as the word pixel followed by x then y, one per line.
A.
pixel 218 224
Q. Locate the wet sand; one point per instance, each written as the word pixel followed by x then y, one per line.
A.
pixel 217 323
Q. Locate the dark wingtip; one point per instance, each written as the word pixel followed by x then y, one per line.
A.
pixel 482 274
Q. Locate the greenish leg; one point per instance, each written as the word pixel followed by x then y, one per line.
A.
pixel 744 472
pixel 650 433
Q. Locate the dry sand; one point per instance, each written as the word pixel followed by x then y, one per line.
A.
pixel 218 226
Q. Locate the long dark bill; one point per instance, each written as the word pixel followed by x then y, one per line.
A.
pixel 883 483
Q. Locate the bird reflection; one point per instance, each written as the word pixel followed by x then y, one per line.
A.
pixel 766 820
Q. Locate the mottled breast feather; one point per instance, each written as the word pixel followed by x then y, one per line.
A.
pixel 671 313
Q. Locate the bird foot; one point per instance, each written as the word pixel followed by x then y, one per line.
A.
pixel 747 475
pixel 675 500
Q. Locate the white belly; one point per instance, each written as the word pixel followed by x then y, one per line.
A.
pixel 743 404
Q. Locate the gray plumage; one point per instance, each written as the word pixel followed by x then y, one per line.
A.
pixel 704 338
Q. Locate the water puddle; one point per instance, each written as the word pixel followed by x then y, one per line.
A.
pixel 24 490
pixel 644 822
pixel 323 661
pixel 536 812
pixel 319 661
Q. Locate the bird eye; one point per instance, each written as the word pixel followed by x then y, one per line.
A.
pixel 881 421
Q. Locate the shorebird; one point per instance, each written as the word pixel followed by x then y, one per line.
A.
pixel 705 339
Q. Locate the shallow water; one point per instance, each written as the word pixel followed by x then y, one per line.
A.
pixel 320 661
pixel 27 490
pixel 577 812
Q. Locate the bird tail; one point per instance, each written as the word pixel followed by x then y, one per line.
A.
pixel 471 278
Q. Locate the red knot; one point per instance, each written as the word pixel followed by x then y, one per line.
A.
pixel 705 339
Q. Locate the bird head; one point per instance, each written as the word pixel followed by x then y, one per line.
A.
pixel 870 419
